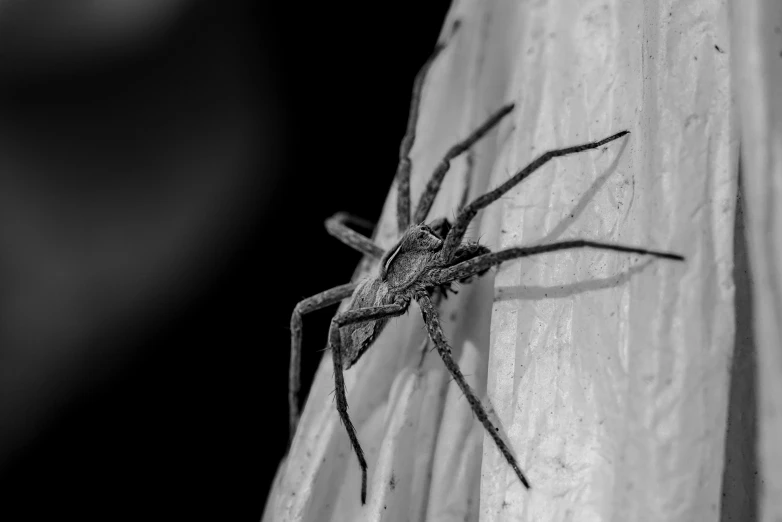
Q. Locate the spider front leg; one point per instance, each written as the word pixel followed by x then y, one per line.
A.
pixel 337 226
pixel 467 214
pixel 335 344
pixel 405 164
pixel 435 330
pixel 433 186
pixel 482 263
pixel 305 306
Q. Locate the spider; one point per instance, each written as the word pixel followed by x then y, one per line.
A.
pixel 420 267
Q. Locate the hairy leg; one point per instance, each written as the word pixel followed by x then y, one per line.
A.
pixel 335 343
pixel 405 164
pixel 466 215
pixel 433 186
pixel 316 302
pixel 482 263
pixel 337 226
pixel 435 330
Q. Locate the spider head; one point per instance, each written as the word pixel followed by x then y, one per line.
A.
pixel 401 266
pixel 464 252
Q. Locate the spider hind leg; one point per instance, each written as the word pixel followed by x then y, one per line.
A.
pixel 437 336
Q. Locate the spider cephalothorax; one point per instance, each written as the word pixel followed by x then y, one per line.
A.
pixel 405 270
pixel 406 264
pixel 419 252
pixel 421 266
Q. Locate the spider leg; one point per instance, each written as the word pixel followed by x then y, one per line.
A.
pixel 433 186
pixel 335 343
pixel 337 226
pixel 482 263
pixel 466 215
pixel 405 164
pixel 438 337
pixel 305 306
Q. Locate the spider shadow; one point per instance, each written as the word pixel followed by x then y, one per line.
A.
pixel 537 293
pixel 598 184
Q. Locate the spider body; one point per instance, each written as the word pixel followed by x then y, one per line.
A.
pixel 422 266
pixel 406 270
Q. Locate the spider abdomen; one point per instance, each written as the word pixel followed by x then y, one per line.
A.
pixel 358 337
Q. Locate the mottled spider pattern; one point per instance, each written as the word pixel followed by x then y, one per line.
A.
pixel 420 267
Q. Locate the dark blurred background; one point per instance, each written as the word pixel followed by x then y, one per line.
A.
pixel 165 170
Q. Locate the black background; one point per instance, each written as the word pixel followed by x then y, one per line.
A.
pixel 193 424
